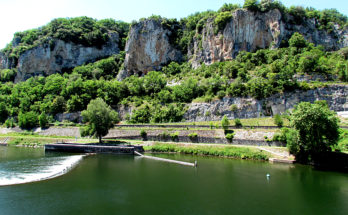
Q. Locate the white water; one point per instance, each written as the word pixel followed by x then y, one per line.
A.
pixel 26 171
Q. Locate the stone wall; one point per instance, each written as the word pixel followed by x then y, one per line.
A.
pixel 211 140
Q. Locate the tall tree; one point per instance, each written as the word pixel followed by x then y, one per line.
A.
pixel 317 128
pixel 99 118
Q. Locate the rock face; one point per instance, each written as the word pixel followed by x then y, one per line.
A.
pixel 336 97
pixel 249 31
pixel 148 48
pixel 46 59
pixel 149 44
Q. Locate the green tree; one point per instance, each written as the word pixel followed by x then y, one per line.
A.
pixel 252 5
pixel 317 128
pixel 222 19
pixel 225 123
pixel 28 120
pixel 3 112
pixel 58 105
pixel 154 82
pixel 99 118
pixel 43 120
pixel 278 120
pixel 297 40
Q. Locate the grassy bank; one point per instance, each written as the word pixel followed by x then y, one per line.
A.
pixel 343 141
pixel 222 151
pixel 35 140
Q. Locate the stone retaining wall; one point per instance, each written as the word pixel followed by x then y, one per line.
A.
pixel 76 148
pixel 201 139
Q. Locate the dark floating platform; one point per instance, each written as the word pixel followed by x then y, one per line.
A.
pixel 88 148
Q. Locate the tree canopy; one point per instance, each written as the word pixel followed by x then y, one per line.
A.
pixel 99 118
pixel 317 128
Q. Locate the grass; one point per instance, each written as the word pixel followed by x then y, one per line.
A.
pixel 32 134
pixel 222 151
pixel 33 141
pixel 36 140
pixel 343 141
pixel 343 121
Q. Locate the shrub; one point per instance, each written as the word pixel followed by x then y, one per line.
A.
pixel 297 41
pixel 229 137
pixel 28 120
pixel 221 94
pixel 43 120
pixel 234 108
pixel 7 75
pixel 225 123
pixel 141 115
pixel 10 123
pixel 164 135
pixel 175 136
pixel 84 131
pixel 143 134
pixel 229 7
pixel 222 19
pixel 278 120
pixel 252 5
pixel 193 136
pixel 238 123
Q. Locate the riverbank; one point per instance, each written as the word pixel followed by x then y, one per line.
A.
pixel 250 153
pixel 220 150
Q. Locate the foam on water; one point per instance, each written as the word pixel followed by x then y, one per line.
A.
pixel 26 171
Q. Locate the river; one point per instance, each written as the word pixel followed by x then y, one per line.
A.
pixel 111 184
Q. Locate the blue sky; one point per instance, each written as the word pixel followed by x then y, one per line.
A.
pixel 19 15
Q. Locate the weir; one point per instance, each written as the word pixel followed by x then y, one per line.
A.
pixel 86 148
pixel 167 160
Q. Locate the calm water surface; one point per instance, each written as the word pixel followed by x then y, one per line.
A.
pixel 109 184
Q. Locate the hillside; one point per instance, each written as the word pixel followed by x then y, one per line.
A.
pixel 249 61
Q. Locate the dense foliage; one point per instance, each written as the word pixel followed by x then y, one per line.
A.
pixel 317 127
pixel 99 118
pixel 159 96
pixel 80 30
pixel 193 25
pixel 314 131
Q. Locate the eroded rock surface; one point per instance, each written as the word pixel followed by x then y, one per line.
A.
pixel 335 95
pixel 148 48
pixel 57 56
pixel 249 31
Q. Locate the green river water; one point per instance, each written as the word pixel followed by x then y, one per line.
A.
pixel 110 184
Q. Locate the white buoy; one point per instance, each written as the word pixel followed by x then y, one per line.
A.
pixel 268 175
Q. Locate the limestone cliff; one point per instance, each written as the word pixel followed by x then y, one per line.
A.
pixel 57 56
pixel 249 31
pixel 335 95
pixel 148 48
